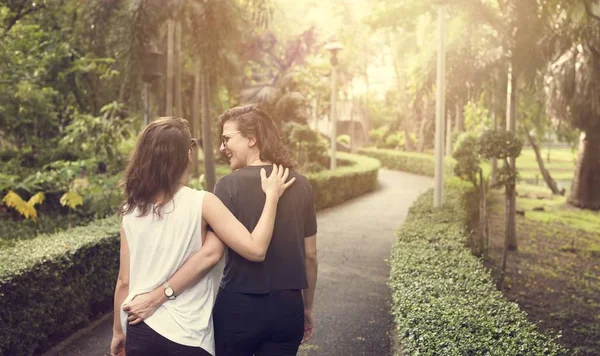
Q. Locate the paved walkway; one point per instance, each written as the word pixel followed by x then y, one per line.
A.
pixel 352 301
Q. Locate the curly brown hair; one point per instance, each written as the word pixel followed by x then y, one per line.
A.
pixel 255 121
pixel 157 163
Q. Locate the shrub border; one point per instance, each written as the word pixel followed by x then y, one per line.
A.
pixel 331 188
pixel 444 301
pixel 411 162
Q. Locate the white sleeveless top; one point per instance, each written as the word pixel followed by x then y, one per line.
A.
pixel 158 247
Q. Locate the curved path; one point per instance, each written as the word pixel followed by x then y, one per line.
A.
pixel 352 301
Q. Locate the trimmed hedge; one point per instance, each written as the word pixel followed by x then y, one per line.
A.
pixel 335 187
pixel 444 300
pixel 52 285
pixel 411 162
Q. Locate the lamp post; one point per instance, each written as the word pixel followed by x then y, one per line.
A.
pixel 151 72
pixel 333 47
pixel 440 111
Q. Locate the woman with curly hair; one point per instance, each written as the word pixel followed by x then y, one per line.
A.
pixel 164 223
pixel 263 308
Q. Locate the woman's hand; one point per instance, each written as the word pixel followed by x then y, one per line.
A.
pixel 275 184
pixel 140 308
pixel 309 326
pixel 117 345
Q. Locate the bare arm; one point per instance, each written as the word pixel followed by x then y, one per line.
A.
pixel 308 294
pixel 252 246
pixel 193 270
pixel 117 346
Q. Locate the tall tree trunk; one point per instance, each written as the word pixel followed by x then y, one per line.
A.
pixel 179 69
pixel 511 211
pixel 409 143
pixel 482 243
pixel 170 65
pixel 423 127
pixel 494 127
pixel 460 120
pixel 313 113
pixel 585 190
pixel 403 112
pixel 209 160
pixel 540 161
pixel 449 135
pixel 196 113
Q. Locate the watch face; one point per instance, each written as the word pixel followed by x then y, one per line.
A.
pixel 169 292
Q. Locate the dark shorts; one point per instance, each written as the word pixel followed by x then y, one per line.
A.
pixel 258 324
pixel 143 340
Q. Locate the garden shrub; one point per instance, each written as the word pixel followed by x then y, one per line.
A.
pixel 411 162
pixel 345 139
pixel 346 182
pixel 444 299
pixel 54 284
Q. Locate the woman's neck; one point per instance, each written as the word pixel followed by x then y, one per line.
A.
pixel 256 161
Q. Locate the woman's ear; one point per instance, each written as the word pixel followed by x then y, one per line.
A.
pixel 251 141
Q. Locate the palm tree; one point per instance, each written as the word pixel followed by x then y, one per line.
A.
pixel 211 30
pixel 573 89
pixel 274 82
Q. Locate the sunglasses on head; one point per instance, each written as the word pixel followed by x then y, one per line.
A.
pixel 194 142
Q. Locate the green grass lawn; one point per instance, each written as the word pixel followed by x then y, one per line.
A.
pixel 555 209
pixel 561 166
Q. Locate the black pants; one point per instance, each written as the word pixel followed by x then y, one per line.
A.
pixel 258 324
pixel 142 340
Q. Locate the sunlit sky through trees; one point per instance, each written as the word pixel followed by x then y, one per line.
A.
pixel 341 19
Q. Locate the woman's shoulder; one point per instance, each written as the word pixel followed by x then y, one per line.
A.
pixel 300 178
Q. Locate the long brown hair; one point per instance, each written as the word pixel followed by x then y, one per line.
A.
pixel 255 121
pixel 159 160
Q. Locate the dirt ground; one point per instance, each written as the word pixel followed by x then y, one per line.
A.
pixel 555 274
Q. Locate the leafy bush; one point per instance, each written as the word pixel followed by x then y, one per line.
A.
pixel 101 196
pixel 345 139
pixel 377 136
pixel 384 137
pixel 52 285
pixel 502 145
pixel 312 167
pixel 395 140
pixel 306 144
pixel 466 154
pixel 412 162
pixel 108 130
pixel 335 187
pixel 27 229
pixel 444 300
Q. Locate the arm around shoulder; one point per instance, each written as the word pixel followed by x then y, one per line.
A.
pixel 235 235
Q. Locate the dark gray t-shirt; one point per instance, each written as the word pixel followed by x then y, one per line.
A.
pixel 284 265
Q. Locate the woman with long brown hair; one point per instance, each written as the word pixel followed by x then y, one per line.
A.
pixel 163 224
pixel 264 307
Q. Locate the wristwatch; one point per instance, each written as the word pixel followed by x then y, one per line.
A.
pixel 169 292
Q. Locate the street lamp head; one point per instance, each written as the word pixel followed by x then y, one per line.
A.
pixel 334 47
pixel 151 64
